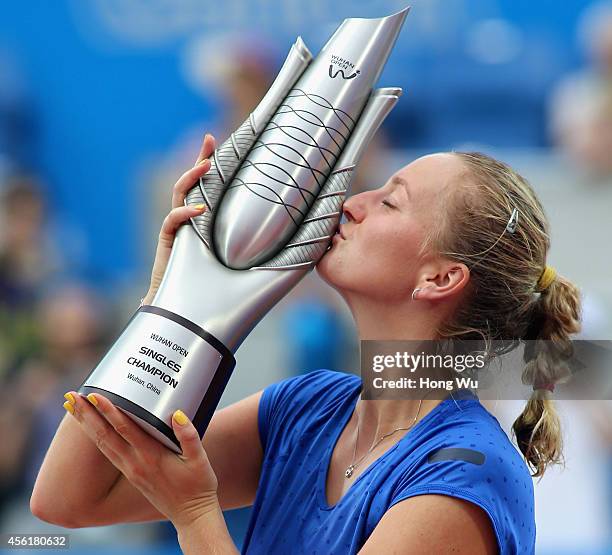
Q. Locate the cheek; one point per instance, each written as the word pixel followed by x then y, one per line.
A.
pixel 386 250
pixel 371 263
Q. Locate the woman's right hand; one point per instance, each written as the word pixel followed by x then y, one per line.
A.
pixel 179 214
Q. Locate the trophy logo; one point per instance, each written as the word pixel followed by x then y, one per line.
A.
pixel 274 195
pixel 333 74
pixel 340 65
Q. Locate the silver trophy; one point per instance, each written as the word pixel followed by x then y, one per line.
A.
pixel 274 195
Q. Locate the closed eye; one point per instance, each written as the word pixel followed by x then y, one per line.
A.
pixel 388 204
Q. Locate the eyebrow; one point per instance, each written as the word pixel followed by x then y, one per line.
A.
pixel 400 181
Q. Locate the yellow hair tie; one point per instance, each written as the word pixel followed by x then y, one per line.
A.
pixel 548 276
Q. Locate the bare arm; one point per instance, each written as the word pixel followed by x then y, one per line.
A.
pixel 207 534
pixel 74 476
pixel 77 486
pixel 433 524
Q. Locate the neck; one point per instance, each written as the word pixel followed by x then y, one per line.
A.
pixel 376 418
pixel 388 321
pixel 393 321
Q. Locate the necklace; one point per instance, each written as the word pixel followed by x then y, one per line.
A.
pixel 351 467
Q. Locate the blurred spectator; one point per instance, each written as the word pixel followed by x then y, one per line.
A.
pixel 601 417
pixel 581 107
pixel 16 125
pixel 243 75
pixel 71 331
pixel 26 263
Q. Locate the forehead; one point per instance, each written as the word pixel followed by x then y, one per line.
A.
pixel 429 175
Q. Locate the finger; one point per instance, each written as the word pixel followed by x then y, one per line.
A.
pixel 123 425
pixel 175 218
pixel 112 446
pixel 187 181
pixel 207 148
pixel 188 436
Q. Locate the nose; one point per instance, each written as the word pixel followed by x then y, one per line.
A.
pixel 354 208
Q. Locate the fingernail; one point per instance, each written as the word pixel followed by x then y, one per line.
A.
pixel 70 397
pixel 180 417
pixel 92 399
pixel 68 406
pixel 200 206
pixel 202 162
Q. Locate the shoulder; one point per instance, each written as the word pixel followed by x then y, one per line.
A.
pixel 459 527
pixel 466 454
pixel 465 446
pixel 299 398
pixel 322 385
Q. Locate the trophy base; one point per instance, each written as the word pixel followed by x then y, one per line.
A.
pixel 147 421
pixel 162 362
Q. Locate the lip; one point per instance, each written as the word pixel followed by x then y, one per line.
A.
pixel 340 232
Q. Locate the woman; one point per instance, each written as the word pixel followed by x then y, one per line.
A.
pixel 455 245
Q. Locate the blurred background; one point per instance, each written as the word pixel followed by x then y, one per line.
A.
pixel 103 104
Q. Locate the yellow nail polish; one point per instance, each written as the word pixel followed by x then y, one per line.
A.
pixel 92 399
pixel 200 206
pixel 68 406
pixel 180 417
pixel 202 162
pixel 70 397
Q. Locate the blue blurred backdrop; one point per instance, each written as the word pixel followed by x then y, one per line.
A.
pixel 94 90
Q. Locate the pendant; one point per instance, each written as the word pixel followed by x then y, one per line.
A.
pixel 349 471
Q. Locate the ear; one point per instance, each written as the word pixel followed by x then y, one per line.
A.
pixel 443 281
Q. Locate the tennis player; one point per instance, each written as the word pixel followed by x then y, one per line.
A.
pixel 453 245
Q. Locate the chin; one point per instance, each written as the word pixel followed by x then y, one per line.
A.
pixel 326 268
pixel 332 270
pixel 322 266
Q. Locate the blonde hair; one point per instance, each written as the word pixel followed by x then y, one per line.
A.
pixel 502 300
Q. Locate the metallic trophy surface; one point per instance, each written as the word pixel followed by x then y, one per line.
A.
pixel 274 195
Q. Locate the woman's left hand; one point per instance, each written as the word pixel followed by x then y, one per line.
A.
pixel 182 487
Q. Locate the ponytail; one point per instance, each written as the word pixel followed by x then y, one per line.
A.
pixel 556 315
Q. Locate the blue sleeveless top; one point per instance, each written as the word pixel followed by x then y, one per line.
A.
pixel 457 449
